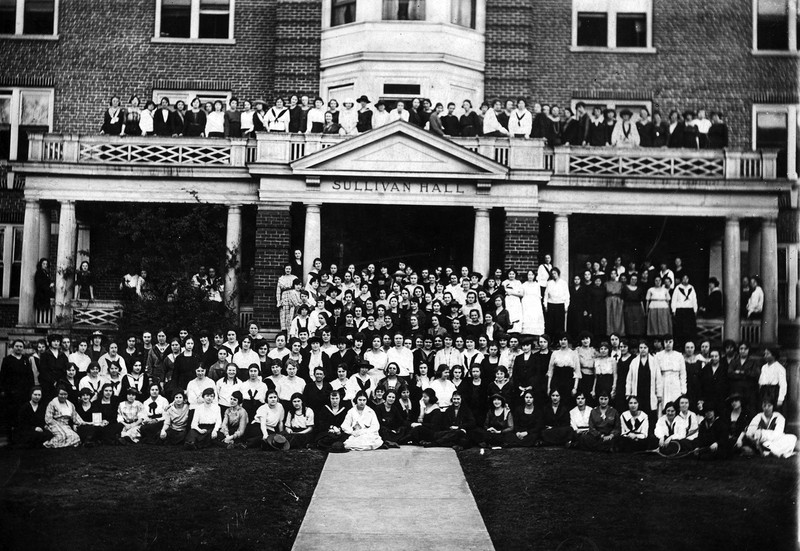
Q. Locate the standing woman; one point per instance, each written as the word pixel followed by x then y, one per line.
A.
pixel 295 114
pixel 331 126
pixel 61 420
pixel 215 121
pixel 532 314
pixel 470 122
pixel 564 371
pixel 597 305
pixel 278 117
pixel 614 305
pixel 659 320
pixel 178 118
pixel 315 118
pixel 605 373
pixel 513 302
pixel 130 124
pixel 113 118
pixel 195 120
pixel 364 115
pixel 43 283
pixel 233 120
pixel 246 120
pixel 146 121
pixel 84 282
pixel 186 365
pixel 333 109
pixel 556 303
pixel 633 307
pixel 623 366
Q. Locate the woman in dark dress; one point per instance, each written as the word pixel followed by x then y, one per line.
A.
pixel 108 429
pixel 555 424
pixel 295 114
pixel 577 315
pixel 132 117
pixel 31 431
pixel 178 118
pixel 393 427
pixel 185 366
pixel 623 366
pixel 331 126
pixel 541 361
pixel 476 395
pixel 597 306
pixel 502 385
pixel 633 307
pixel 526 424
pixel 113 118
pixel 413 113
pixel 470 122
pixel 195 120
pixel 84 283
pixel 498 424
pixel 86 410
pixel 364 116
pixel 44 286
pixel 71 382
pixel 328 427
pixel 429 421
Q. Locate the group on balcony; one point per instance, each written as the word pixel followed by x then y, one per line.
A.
pixel 601 127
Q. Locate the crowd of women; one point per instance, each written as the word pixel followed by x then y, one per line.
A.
pixel 598 126
pixel 384 366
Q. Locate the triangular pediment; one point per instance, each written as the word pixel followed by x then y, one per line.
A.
pixel 403 149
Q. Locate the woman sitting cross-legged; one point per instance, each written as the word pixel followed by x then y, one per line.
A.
pixel 206 422
pixel 153 417
pixel 129 417
pixel 31 430
pixel 603 426
pixel 176 420
pixel 460 425
pixel 766 431
pixel 499 423
pixel 269 424
pixel 234 423
pixel 329 423
pixel 299 424
pixel 393 426
pixel 527 424
pixel 670 428
pixel 429 421
pixel 634 429
pixel 362 425
pixel 61 419
pixel 556 429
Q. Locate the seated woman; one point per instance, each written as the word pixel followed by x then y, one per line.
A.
pixel 429 421
pixel 670 428
pixel 579 415
pixel 501 385
pixel 459 425
pixel 329 422
pixel 443 387
pixel 527 424
pixel 712 438
pixel 299 423
pixel 61 419
pixel 234 423
pixel 377 399
pixel 737 421
pixel 499 423
pixel 391 381
pixel 634 429
pixel 408 408
pixel 129 417
pixel 206 422
pixel 393 427
pixel 254 390
pixel 766 431
pixel 419 383
pixel 89 431
pixel 176 420
pixel 31 430
pixel 138 380
pixel 556 429
pixel 71 382
pixel 153 415
pixel 603 426
pixel 92 380
pixel 269 420
pixel 362 426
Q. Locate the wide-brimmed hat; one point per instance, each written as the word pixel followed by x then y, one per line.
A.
pixel 261 101
pixel 278 442
pixel 97 334
pixel 399 273
pixel 626 112
pixel 363 99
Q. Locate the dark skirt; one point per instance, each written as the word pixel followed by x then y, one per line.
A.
pixel 198 439
pixel 151 432
pixel 554 319
pixel 526 441
pixel 605 383
pixel 557 436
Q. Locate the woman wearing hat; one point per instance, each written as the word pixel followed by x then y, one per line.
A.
pixel 625 133
pixel 364 115
pixel 498 424
pixel 260 121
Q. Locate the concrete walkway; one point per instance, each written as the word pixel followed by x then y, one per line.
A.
pixel 401 499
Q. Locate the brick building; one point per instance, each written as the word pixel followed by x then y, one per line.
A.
pixel 730 214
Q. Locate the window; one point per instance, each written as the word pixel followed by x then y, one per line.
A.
pixel 23 111
pixel 401 89
pixel 624 25
pixel 462 13
pixel 771 130
pixel 11 279
pixel 343 12
pixel 404 10
pixel 194 19
pixel 28 17
pixel 775 25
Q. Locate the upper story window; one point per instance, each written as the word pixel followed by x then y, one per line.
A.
pixel 194 19
pixel 623 25
pixel 462 13
pixel 404 10
pixel 342 12
pixel 775 25
pixel 23 111
pixel 28 17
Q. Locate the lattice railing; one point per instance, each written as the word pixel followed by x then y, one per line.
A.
pixel 127 153
pixel 619 164
pixel 711 330
pixel 96 314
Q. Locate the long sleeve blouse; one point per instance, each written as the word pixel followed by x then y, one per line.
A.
pixel 564 358
pixel 207 414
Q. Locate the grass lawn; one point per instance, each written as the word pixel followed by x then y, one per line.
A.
pixel 537 499
pixel 153 497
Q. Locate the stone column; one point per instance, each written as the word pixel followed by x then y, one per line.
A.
pixel 312 238
pixel 30 256
pixel 481 242
pixel 731 280
pixel 521 242
pixel 273 240
pixel 233 255
pixel 44 233
pixel 65 263
pixel 754 250
pixel 769 276
pixel 561 245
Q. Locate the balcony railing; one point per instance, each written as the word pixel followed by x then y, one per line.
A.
pixel 516 153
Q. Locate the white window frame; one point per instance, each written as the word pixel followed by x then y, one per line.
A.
pixel 612 8
pixel 8 256
pixel 16 113
pixel 194 27
pixel 19 24
pixel 792 111
pixel 615 104
pixel 792 8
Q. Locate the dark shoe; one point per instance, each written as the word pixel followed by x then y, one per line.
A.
pixel 458 448
pixel 428 444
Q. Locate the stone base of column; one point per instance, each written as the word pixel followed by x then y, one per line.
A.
pixel 521 243
pixel 273 240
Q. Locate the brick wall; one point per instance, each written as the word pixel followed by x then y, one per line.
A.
pixel 297 27
pixel 273 240
pixel 703 59
pixel 521 243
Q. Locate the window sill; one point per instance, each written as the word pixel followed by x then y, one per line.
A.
pixel 774 53
pixel 194 41
pixel 10 301
pixel 600 50
pixel 51 37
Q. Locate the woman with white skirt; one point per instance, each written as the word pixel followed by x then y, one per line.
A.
pixel 532 313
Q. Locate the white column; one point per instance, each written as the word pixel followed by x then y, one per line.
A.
pixel 561 245
pixel 65 263
pixel 769 271
pixel 30 256
pixel 233 254
pixel 731 281
pixel 312 239
pixel 792 253
pixel 44 233
pixel 480 242
pixel 754 250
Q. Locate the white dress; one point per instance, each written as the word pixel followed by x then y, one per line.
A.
pixel 514 304
pixel 532 313
pixel 362 426
pixel 673 375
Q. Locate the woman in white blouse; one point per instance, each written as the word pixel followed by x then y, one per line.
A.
pixel 362 425
pixel 215 121
pixel 278 117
